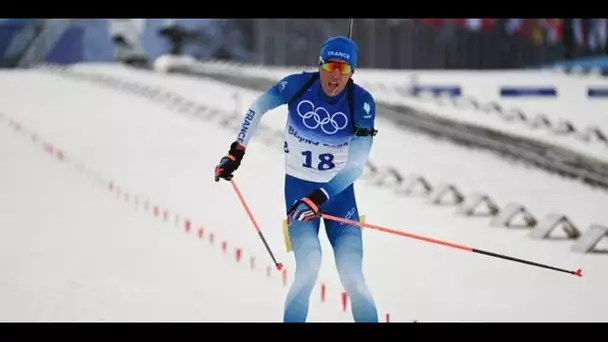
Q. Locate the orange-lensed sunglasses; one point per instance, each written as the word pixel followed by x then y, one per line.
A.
pixel 330 66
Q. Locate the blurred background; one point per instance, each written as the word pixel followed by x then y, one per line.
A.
pixel 425 43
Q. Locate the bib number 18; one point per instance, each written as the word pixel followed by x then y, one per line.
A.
pixel 324 162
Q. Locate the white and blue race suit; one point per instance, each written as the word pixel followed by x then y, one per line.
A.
pixel 322 151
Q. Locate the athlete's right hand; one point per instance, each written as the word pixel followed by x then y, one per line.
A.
pixel 230 163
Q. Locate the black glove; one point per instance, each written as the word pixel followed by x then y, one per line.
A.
pixel 230 163
pixel 307 208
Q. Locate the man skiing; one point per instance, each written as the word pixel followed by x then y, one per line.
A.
pixel 328 137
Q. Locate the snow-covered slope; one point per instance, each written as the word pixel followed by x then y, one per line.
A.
pixel 167 158
pixel 70 250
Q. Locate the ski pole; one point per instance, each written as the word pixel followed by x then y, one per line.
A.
pixel 351 25
pixel 278 265
pixel 578 272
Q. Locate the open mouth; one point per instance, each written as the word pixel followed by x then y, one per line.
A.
pixel 333 87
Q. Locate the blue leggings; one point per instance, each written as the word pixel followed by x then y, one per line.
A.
pixel 348 254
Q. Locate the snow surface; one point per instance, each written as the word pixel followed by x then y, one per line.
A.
pixel 71 250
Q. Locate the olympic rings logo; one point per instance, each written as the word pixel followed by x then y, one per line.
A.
pixel 320 117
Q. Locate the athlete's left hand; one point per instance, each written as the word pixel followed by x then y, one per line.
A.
pixel 307 208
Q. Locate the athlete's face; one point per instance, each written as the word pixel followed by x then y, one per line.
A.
pixel 334 76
